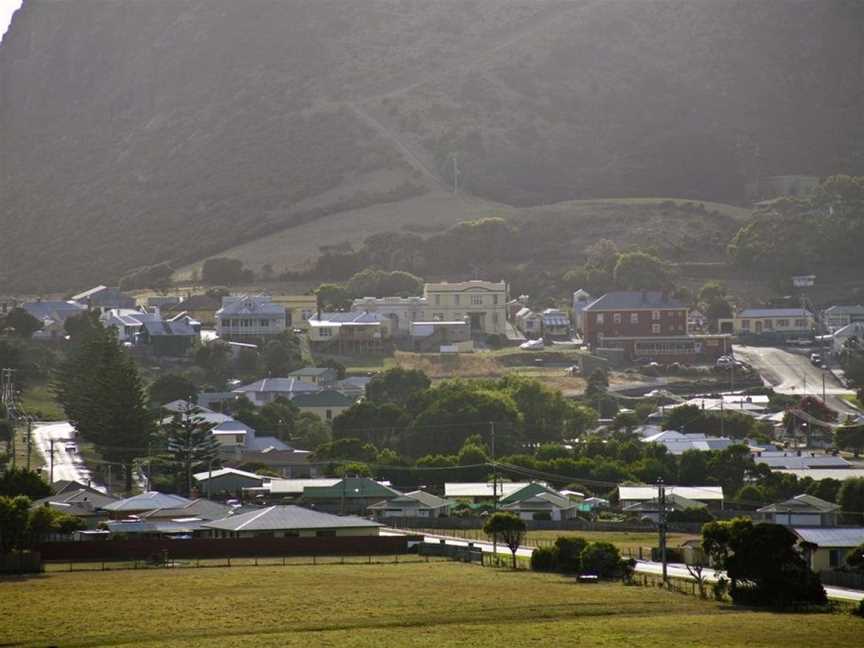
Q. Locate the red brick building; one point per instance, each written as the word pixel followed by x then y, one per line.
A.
pixel 647 324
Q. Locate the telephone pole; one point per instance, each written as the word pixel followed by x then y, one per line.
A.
pixel 7 397
pixel 661 525
pixel 51 461
pixel 494 488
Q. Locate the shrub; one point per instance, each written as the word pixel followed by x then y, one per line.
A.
pixel 544 559
pixel 570 553
pixel 601 558
pixel 859 610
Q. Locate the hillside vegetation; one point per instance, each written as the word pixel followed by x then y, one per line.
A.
pixel 172 130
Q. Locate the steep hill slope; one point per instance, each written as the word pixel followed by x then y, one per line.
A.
pixel 135 132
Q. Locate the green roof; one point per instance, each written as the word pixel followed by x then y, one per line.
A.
pixel 351 488
pixel 524 493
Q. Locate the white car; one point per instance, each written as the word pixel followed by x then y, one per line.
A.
pixel 532 344
pixel 725 362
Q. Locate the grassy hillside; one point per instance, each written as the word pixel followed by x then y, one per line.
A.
pixel 172 130
pixel 355 606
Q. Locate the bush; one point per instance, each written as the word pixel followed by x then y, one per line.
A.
pixel 601 558
pixel 859 610
pixel 570 553
pixel 697 514
pixel 545 559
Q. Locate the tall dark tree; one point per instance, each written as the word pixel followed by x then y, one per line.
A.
pixel 22 322
pixel 170 387
pixel 397 385
pixel 191 445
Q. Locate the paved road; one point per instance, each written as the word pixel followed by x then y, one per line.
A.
pixel 67 462
pixel 642 566
pixel 791 373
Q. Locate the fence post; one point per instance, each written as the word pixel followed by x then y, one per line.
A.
pixel 314 561
pixel 229 561
pixel 283 561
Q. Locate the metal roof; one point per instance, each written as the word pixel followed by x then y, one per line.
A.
pixel 350 488
pixel 774 312
pixel 482 489
pixel 412 499
pixel 312 371
pixel 221 472
pixel 801 504
pixel 277 518
pixel 635 300
pixel 824 473
pixel 328 398
pixel 831 537
pixel 646 492
pixel 296 486
pixel 794 462
pixel 147 502
pixel 278 385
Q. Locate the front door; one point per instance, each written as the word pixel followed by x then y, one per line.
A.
pixel 476 321
pixel 758 326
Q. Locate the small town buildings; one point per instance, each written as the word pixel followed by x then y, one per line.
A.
pixel 780 323
pixel 801 511
pixel 353 387
pixel 327 404
pixel 200 509
pixel 267 390
pixel 441 336
pixel 104 297
pixel 791 460
pixel 836 317
pixel 52 314
pixel 484 303
pixel 529 323
pixel 481 492
pixel 249 316
pixel 556 324
pixel 347 495
pixel 827 548
pixel 650 509
pixel 226 480
pixel 289 464
pixel 172 338
pixel 285 521
pixel 202 308
pixel 677 443
pixel 840 337
pixel 298 309
pixel 291 489
pixel 147 501
pixel 321 376
pixel 84 503
pixel 710 495
pixel 581 298
pixel 539 502
pixel 416 504
pixel 401 311
pixel 349 332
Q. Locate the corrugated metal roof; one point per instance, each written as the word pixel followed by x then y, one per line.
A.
pixel 482 489
pixel 774 312
pixel 147 502
pixel 646 492
pixel 296 486
pixel 278 385
pixel 832 537
pixel 801 504
pixel 221 472
pixel 278 518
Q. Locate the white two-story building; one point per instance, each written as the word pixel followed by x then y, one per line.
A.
pixel 245 316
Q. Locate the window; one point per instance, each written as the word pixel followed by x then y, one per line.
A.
pixel 834 558
pixel 634 318
pixel 494 318
pixel 780 323
pixel 476 300
pixel 599 318
pixel 745 324
pixel 457 316
pixel 616 318
pixel 456 299
pixel 655 316
pixel 438 317
pixel 495 299
pixel 655 328
pixel 238 438
pixel 264 323
pixel 305 314
pixel 769 324
pixel 329 415
pixel 325 331
pixel 799 323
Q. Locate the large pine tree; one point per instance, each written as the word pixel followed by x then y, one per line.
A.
pixel 191 445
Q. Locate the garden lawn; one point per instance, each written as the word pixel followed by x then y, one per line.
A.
pixel 435 605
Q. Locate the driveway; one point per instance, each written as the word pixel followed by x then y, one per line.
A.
pixel 68 464
pixel 791 373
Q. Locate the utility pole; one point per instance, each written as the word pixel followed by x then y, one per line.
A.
pixel 494 488
pixel 661 526
pixel 51 460
pixel 29 440
pixel 455 160
pixel 7 397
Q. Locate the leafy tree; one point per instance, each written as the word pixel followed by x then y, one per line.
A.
pixel 686 418
pixel 283 354
pixel 222 270
pixel 215 360
pixel 825 489
pixel 750 496
pixel 601 558
pixel 348 449
pixel 850 438
pixel 170 387
pixel 641 271
pixel 855 558
pixel 570 550
pixel 597 385
pixel 381 283
pixel 22 322
pixel 278 417
pixel 310 431
pixel 545 411
pixel 20 481
pixel 333 297
pixel 626 421
pixel 397 385
pixel 851 495
pixel 693 467
pixel 544 559
pixel 380 424
pixel 731 466
pixel 506 528
pixel 14 521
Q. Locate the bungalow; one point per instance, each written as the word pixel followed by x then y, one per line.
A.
pixel 529 323
pixel 267 390
pixel 52 314
pixel 481 492
pixel 650 509
pixel 249 316
pixel 782 323
pixel 801 511
pixel 289 463
pixel 326 404
pixel 710 495
pixel 321 376
pixel 539 502
pixel 171 338
pixel 290 521
pixel 148 501
pixel 414 504
pixel 354 331
pixel 198 509
pixel 347 495
pixel 780 460
pixel 828 548
pixel 84 503
pixel 104 297
pixel 401 311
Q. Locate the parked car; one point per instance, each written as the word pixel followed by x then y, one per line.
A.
pixel 816 359
pixel 532 344
pixel 725 362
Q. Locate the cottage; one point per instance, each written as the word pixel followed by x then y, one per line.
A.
pixel 291 489
pixel 347 495
pixel 227 480
pixel 772 323
pixel 556 324
pixel 349 332
pixel 529 323
pixel 416 504
pixel 650 509
pixel 836 317
pixel 326 404
pixel 539 502
pixel 801 511
pixel 401 311
pixel 353 387
pixel 200 509
pixel 484 303
pixel 52 315
pixel 267 390
pixel 321 376
pixel 827 548
pixel 244 317
pixel 289 463
pixel 286 521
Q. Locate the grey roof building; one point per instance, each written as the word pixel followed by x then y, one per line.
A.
pixel 289 520
pixel 264 391
pixel 83 503
pixel 201 508
pixel 148 501
pixel 801 511
pixel 414 504
pixel 634 300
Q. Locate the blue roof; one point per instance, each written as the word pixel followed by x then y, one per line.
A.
pixel 634 300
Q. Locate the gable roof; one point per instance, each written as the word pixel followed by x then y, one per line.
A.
pixel 529 490
pixel 801 504
pixel 312 372
pixel 64 485
pixel 673 503
pixel 221 472
pixel 352 317
pixel 412 499
pixel 792 461
pixel 148 501
pixel 278 385
pixel 351 488
pixel 482 489
pixel 79 501
pixel 855 309
pixel 250 305
pixel 634 300
pixel 277 457
pixel 646 492
pixel 831 537
pixel 200 508
pixel 276 518
pixel 296 486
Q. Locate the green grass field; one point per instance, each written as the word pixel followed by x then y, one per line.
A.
pixel 435 604
pixel 38 401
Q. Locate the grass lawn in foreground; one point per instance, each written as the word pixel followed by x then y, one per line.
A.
pixel 436 605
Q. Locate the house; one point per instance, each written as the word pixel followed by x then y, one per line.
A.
pixel 104 297
pixel 647 324
pixel 484 303
pixel 827 548
pixel 353 387
pixel 347 495
pixel 85 503
pixel 633 494
pixel 298 309
pixel 841 336
pixel 556 324
pixel 401 311
pixel 774 323
pixel 327 404
pixel 417 503
pixel 677 443
pixel 481 492
pixel 170 338
pixel 285 521
pixel 539 502
pixel 349 332
pixel 783 460
pixel 140 529
pixel 52 314
pixel 441 336
pixel 650 509
pixel 148 501
pixel 836 317
pixel 227 480
pixel 249 316
pixel 289 463
pixel 200 509
pixel 801 511
pixel 529 323
pixel 581 298
pixel 201 308
pixel 291 489
pixel 321 376
pixel 267 390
